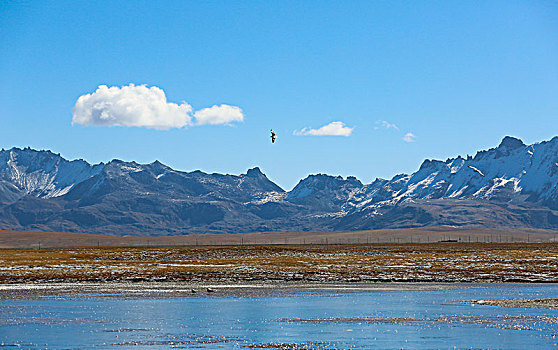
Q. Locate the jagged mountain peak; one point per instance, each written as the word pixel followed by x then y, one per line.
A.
pixel 158 167
pixel 324 191
pixel 42 173
pixel 156 164
pixel 325 180
pixel 430 163
pixel 511 142
pixel 512 184
pixel 30 152
pixel 119 162
pixel 258 179
pixel 254 172
pixel 512 171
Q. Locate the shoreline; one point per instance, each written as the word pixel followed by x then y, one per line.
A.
pixel 209 290
pixel 538 303
pixel 162 290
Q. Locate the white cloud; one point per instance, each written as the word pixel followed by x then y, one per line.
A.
pixel 385 124
pixel 130 106
pixel 331 129
pixel 143 106
pixel 223 114
pixel 409 137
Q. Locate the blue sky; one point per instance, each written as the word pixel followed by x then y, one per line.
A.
pixel 457 75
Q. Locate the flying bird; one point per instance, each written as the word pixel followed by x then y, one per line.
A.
pixel 273 136
pixel 477 170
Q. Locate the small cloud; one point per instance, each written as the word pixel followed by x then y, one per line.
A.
pixel 409 137
pixel 142 106
pixel 223 114
pixel 331 129
pixel 385 124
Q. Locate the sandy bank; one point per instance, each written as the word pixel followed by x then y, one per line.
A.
pixel 548 303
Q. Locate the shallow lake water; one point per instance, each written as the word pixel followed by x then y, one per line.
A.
pixel 372 320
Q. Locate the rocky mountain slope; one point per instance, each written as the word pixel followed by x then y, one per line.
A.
pixel 512 185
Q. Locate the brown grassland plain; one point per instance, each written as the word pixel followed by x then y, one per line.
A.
pixel 410 262
pixel 431 234
pixel 36 264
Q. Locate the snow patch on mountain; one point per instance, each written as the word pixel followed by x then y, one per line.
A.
pixel 512 168
pixel 43 174
pixel 519 188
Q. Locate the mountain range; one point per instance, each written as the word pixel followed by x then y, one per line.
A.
pixel 513 185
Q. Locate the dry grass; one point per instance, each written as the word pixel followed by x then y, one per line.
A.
pixel 37 240
pixel 435 262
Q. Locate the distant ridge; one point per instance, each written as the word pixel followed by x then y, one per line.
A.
pixel 516 185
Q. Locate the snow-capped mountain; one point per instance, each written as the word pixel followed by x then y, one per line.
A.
pixel 41 174
pixel 512 185
pixel 324 192
pixel 512 172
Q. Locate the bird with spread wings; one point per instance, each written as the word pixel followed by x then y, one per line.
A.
pixel 476 170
